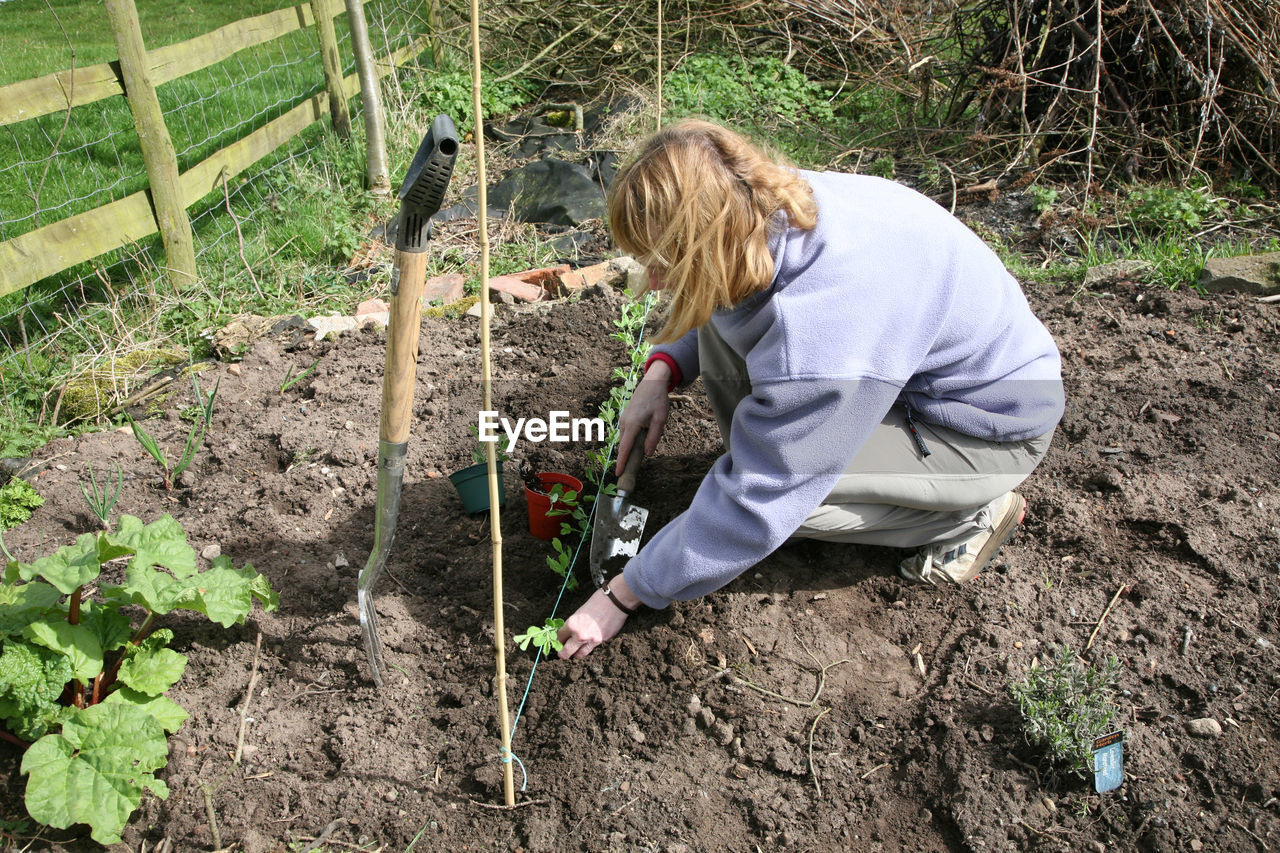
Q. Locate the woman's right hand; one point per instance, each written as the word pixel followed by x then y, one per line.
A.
pixel 647 410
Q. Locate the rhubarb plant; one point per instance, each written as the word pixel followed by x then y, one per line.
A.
pixel 84 670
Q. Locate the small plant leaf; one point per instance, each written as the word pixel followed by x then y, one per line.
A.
pixel 77 642
pixel 168 713
pixel 96 769
pixel 31 681
pixel 163 542
pixel 545 638
pixel 21 603
pixel 152 669
pixel 71 566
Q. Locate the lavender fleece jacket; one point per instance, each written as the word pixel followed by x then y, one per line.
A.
pixel 889 298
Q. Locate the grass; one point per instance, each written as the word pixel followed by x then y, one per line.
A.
pixel 56 166
pixel 36 44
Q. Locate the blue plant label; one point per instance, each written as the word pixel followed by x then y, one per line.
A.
pixel 1108 762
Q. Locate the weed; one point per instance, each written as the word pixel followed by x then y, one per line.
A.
pixel 101 503
pixel 1042 198
pixel 18 499
pixel 883 167
pixel 1066 706
pixel 744 89
pixel 1180 210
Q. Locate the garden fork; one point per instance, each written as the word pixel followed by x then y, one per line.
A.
pixel 420 197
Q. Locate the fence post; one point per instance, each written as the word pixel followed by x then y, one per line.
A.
pixel 332 68
pixel 433 24
pixel 377 176
pixel 157 148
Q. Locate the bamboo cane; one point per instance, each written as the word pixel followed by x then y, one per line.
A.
pixel 659 119
pixel 495 522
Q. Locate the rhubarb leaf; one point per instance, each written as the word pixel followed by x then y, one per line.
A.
pixel 96 769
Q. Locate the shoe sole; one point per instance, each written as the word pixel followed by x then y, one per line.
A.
pixel 1000 534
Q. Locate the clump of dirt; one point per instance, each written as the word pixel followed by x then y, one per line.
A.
pixel 788 710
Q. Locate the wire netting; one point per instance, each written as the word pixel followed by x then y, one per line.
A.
pixel 72 161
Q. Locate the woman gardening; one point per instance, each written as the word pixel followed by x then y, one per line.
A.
pixel 877 375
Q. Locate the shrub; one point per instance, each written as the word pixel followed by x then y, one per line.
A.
pixel 1066 706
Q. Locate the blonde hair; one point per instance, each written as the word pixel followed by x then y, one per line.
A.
pixel 695 206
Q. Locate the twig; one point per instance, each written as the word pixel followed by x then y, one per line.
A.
pixel 822 679
pixel 1103 617
pixel 1261 843
pixel 248 697
pixel 817 786
pixel 324 834
pixel 506 808
pixel 207 792
pixel 874 769
pixel 226 195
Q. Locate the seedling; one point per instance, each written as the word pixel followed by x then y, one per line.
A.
pixel 290 380
pixel 83 679
pixel 101 503
pixel 479 454
pixel 1065 706
pixel 545 639
pixel 194 438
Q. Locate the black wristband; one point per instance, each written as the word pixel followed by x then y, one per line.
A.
pixel 608 593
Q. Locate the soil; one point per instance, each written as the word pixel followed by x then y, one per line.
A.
pixel 789 710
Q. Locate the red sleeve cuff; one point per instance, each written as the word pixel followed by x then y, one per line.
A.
pixel 676 374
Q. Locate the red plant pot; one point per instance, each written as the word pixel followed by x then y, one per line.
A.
pixel 542 525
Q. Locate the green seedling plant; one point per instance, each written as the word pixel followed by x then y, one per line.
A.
pixel 195 437
pixel 102 502
pixel 545 639
pixel 479 453
pixel 1065 706
pixel 18 499
pixel 84 669
pixel 290 380
pixel 569 504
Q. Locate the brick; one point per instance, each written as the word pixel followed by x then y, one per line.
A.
pixel 446 288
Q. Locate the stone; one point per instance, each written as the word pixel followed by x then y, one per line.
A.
pixel 1258 274
pixel 212 552
pixel 607 273
pixel 445 288
pixel 637 277
pixel 517 287
pixel 1115 271
pixel 335 326
pixel 1205 727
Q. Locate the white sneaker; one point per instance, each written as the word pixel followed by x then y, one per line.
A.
pixel 960 560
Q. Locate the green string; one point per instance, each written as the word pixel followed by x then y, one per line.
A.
pixel 648 306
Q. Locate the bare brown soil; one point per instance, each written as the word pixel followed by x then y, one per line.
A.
pixel 785 711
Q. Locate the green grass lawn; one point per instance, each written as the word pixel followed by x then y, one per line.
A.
pixel 41 37
pixel 52 167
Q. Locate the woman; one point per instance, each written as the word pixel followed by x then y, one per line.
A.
pixel 876 373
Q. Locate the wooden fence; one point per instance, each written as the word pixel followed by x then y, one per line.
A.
pixel 52 248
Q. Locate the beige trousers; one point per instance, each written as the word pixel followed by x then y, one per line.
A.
pixel 891 494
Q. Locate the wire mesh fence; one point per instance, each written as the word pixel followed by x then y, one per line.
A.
pixel 77 159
